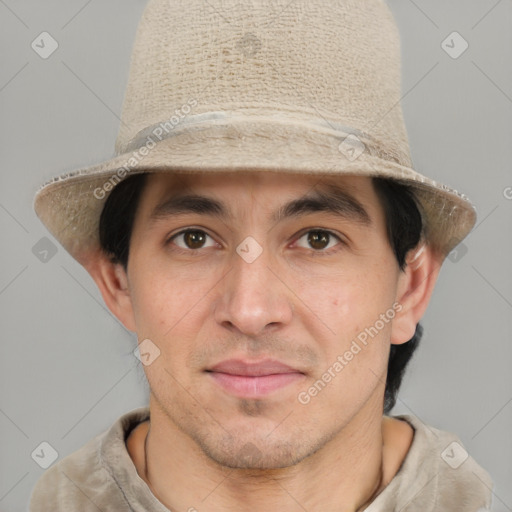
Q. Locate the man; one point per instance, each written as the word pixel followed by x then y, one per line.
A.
pixel 262 232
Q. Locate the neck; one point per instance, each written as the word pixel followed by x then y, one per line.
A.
pixel 357 472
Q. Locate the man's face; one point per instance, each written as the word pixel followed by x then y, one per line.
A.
pixel 251 303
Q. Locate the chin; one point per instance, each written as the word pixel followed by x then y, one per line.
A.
pixel 258 447
pixel 252 456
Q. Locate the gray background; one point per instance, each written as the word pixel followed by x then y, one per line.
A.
pixel 67 369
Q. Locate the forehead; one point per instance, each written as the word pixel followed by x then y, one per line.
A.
pixel 270 196
pixel 265 184
pixel 276 196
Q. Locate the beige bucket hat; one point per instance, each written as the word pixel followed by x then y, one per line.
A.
pixel 263 85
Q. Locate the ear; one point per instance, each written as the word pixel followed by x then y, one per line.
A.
pixel 415 287
pixel 112 281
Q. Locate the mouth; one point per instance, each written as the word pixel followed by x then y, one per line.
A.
pixel 253 380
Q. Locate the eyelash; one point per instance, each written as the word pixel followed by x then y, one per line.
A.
pixel 319 252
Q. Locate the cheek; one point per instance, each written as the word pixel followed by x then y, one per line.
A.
pixel 159 300
pixel 354 349
pixel 165 314
pixel 347 302
pixel 170 304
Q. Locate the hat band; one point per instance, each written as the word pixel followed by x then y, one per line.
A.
pixel 348 136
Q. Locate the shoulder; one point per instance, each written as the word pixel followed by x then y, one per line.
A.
pixel 76 482
pixel 439 474
pixel 84 481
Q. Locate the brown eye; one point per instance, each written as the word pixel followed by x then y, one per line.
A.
pixel 192 239
pixel 319 239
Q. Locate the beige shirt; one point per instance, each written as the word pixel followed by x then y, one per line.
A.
pixel 437 475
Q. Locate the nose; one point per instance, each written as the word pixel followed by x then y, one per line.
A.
pixel 253 298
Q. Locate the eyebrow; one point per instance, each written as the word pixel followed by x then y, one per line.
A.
pixel 332 200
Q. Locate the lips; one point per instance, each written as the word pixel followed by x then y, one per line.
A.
pixel 238 367
pixel 253 380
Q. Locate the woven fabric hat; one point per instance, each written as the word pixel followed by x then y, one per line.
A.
pixel 260 85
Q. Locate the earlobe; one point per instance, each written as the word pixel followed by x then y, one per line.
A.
pixel 415 287
pixel 112 281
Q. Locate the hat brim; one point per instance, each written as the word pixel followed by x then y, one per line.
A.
pixel 70 205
